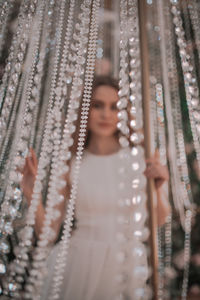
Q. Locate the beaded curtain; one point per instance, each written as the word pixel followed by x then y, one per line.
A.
pixel 47 72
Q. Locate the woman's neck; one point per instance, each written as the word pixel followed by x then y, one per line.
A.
pixel 103 145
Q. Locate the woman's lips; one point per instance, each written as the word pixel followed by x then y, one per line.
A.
pixel 105 124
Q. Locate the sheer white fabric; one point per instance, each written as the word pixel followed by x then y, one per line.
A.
pixel 96 268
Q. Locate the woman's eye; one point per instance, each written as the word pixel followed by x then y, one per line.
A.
pixel 114 107
pixel 96 105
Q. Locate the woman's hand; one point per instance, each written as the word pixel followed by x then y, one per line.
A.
pixel 156 171
pixel 160 175
pixel 29 173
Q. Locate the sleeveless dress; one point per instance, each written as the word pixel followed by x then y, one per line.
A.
pixel 106 260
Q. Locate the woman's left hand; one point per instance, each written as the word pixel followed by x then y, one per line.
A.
pixel 156 171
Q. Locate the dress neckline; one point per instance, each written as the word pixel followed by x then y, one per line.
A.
pixel 102 155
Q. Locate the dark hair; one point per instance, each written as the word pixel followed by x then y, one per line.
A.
pixel 105 80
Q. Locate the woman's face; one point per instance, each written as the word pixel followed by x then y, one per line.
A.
pixel 103 113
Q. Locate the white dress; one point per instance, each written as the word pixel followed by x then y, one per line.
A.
pixel 105 259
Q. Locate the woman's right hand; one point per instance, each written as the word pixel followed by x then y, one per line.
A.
pixel 29 174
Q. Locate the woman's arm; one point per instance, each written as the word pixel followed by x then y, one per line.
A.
pixel 27 184
pixel 160 175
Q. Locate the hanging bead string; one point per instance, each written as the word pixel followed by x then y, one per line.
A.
pixel 191 88
pixel 140 231
pixel 4 17
pixel 187 251
pixel 53 15
pixel 89 73
pixel 162 151
pixel 123 92
pixel 189 39
pixel 100 45
pixel 40 68
pixel 12 50
pixel 121 278
pixel 193 11
pixel 131 84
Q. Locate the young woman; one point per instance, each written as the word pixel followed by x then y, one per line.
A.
pixel 100 263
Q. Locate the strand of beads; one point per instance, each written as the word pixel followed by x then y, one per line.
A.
pixel 122 222
pixel 12 49
pixel 139 216
pixel 162 151
pixel 4 17
pixel 40 71
pixel 187 243
pixel 49 74
pixel 123 78
pixel 89 73
pixel 193 11
pixel 191 88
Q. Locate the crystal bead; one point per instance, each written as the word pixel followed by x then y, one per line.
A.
pixel 196 115
pixel 138 251
pixel 137 216
pixel 15 78
pixel 11 89
pixel 122 103
pixel 23 46
pixel 137 138
pixel 13 211
pixel 4 247
pixel 2 267
pixel 141 235
pixel 81 60
pixel 12 286
pixel 8 67
pixel 68 80
pixel 8 228
pixel 20 56
pixel 28 118
pixel 122 115
pixel 139 198
pixel 123 141
pixel 139 183
pixel 198 128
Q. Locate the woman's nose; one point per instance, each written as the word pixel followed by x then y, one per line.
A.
pixel 106 113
